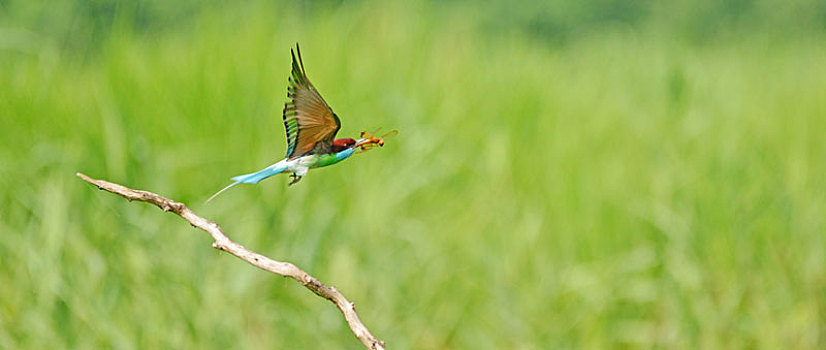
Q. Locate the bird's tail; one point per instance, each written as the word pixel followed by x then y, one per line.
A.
pixel 254 178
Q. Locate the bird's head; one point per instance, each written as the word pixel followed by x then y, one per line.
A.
pixel 342 144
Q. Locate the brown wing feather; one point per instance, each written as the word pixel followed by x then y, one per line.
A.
pixel 317 125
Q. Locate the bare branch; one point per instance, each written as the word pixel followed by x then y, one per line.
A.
pixel 222 242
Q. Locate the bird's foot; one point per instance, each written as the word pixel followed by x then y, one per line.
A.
pixel 295 179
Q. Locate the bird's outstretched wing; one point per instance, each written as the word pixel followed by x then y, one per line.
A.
pixel 310 123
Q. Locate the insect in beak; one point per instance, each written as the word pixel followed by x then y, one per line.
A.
pixel 370 141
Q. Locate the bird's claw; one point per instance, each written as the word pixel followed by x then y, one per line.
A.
pixel 294 180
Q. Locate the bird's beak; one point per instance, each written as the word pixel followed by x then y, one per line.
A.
pixel 361 142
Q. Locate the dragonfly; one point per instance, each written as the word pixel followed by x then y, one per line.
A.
pixel 311 127
pixel 373 141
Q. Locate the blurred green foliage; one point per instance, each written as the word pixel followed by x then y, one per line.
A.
pixel 592 174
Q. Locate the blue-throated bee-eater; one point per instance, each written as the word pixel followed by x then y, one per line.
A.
pixel 311 128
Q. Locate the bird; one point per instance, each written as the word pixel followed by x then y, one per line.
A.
pixel 311 127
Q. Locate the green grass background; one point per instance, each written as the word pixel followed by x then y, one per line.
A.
pixel 597 175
